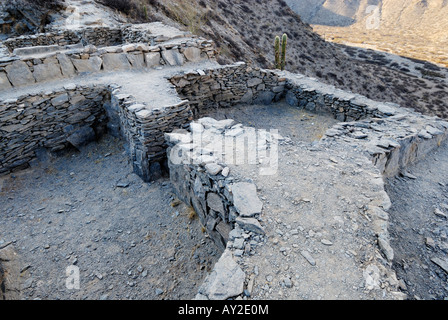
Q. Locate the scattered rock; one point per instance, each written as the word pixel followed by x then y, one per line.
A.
pixel 308 257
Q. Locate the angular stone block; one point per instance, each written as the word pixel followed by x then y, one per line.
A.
pixel 93 64
pixel 116 61
pixel 173 57
pixel 152 59
pixel 4 82
pixel 225 281
pixel 19 74
pixel 137 61
pixel 246 199
pixel 192 54
pixel 67 68
pixel 82 137
pixel 47 71
pixel 215 203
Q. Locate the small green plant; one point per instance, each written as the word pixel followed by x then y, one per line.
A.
pixel 280 54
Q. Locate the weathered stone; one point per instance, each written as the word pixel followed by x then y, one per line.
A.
pixel 265 97
pixel 173 57
pixel 137 61
pixel 385 247
pixel 4 82
pixel 442 263
pixel 81 137
pixel 152 59
pixel 246 200
pixel 60 99
pixel 67 68
pixel 192 54
pixel 116 61
pixel 19 74
pixel 225 281
pixel 213 168
pixel 215 203
pixel 308 257
pixel 250 224
pixel 77 117
pixel 93 64
pixel 47 71
pixel 254 82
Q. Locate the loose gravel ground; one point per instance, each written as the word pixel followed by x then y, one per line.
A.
pixel 129 239
pixel 419 227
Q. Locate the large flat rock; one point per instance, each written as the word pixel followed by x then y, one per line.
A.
pixel 246 199
pixel 19 74
pixel 47 71
pixel 93 64
pixel 113 61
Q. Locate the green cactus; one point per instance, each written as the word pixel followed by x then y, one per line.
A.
pixel 277 52
pixel 280 53
pixel 283 58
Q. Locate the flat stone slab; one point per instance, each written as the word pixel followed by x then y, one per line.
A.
pixel 93 64
pixel 225 281
pixel 115 62
pixel 4 82
pixel 246 199
pixel 19 74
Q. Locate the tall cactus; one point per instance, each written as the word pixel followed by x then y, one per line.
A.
pixel 277 52
pixel 280 53
pixel 283 58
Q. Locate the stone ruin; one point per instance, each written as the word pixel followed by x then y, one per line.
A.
pixel 65 88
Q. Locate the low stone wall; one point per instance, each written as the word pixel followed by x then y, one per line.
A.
pixel 49 121
pixel 143 128
pixel 227 86
pixel 16 72
pixel 148 33
pixel 203 181
pixel 312 95
pixel 392 136
pixel 97 36
pixel 392 143
pixel 228 208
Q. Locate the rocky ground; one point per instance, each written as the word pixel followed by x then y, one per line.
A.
pixel 130 239
pixel 318 244
pixel 419 227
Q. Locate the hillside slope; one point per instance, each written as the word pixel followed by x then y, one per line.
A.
pixel 426 18
pixel 245 30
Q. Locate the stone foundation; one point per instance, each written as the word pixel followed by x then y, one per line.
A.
pixel 49 121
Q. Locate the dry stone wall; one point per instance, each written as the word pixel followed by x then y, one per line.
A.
pixel 143 128
pixel 51 121
pixel 97 36
pixel 16 72
pixel 229 85
pixel 203 180
pixel 392 136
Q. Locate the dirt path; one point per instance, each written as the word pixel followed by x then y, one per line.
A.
pixel 88 209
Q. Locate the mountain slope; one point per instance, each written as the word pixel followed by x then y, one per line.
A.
pixel 245 30
pixel 427 18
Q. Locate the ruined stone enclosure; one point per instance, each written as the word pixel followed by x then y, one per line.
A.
pixel 152 86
